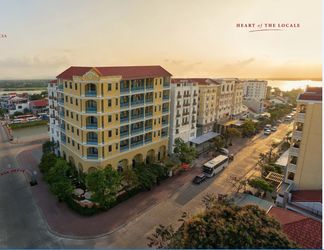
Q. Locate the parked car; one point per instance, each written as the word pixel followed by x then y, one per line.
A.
pixel 224 151
pixel 199 179
pixel 267 132
pixel 279 121
pixel 267 127
pixel 274 128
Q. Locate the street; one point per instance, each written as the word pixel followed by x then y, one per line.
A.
pixel 23 225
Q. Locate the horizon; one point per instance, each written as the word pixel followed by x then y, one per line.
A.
pixel 174 34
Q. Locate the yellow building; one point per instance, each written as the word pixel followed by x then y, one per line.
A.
pixel 114 116
pixel 304 169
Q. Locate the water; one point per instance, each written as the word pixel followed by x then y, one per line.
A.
pixel 289 85
pixel 32 133
pixel 21 91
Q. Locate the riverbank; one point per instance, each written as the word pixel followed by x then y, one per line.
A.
pixel 28 124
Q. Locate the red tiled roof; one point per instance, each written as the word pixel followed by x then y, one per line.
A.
pixel 311 94
pixel 127 72
pixel 306 196
pixel 53 81
pixel 39 103
pixel 305 231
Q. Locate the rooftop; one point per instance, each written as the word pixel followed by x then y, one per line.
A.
pixel 126 72
pixel 305 231
pixel 247 199
pixel 306 196
pixel 283 159
pixel 311 94
pixel 39 103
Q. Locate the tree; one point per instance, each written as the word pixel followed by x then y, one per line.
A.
pixel 248 128
pixel 261 185
pixel 129 178
pixel 58 171
pixel 105 184
pixel 17 113
pixel 219 143
pixel 238 184
pixel 223 225
pixel 232 132
pixel 62 189
pixel 48 161
pixel 268 158
pixel 149 175
pixel 48 147
pixel 184 152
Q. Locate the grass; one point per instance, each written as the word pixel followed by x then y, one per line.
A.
pixel 28 124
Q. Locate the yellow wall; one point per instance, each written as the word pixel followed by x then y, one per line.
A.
pixel 309 164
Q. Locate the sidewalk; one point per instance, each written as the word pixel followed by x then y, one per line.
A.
pixel 65 222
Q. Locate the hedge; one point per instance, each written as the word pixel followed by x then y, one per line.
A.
pixel 28 124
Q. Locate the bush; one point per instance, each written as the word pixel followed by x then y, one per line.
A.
pixel 85 211
pixel 48 161
pixel 28 124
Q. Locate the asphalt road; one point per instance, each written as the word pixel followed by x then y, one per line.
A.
pixel 22 225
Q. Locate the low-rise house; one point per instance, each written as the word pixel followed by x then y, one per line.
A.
pixel 38 106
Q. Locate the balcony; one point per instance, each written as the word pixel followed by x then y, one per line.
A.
pixel 124 134
pixel 91 110
pixel 177 125
pixel 164 123
pixel 179 96
pixel 166 84
pixel 194 112
pixel 291 167
pixel 149 114
pixel 149 87
pixel 137 89
pixel 193 120
pixel 62 114
pixel 92 156
pixel 166 98
pixel 194 103
pixel 137 103
pixel 178 115
pixel 148 101
pixel 137 144
pixel 165 110
pixel 148 140
pixel 90 93
pixel 185 113
pixel 294 151
pixel 62 127
pixel 186 104
pixel 137 117
pixel 61 101
pixel 60 87
pixel 124 104
pixel 124 90
pixel 195 94
pixel 185 123
pixel 92 126
pixel 124 119
pixel 300 117
pixel 124 148
pixel 137 131
pixel 178 105
pixel 148 127
pixel 92 141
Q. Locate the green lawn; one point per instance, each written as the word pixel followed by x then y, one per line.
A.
pixel 28 124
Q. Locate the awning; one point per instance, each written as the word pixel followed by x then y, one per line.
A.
pixel 205 137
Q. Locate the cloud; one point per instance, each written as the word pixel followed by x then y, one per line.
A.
pixel 34 62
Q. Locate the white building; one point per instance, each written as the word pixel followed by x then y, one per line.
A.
pixel 254 93
pixel 17 104
pixel 54 119
pixel 183 116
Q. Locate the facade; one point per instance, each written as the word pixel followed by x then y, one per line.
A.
pixel 54 119
pixel 17 104
pixel 304 167
pixel 113 116
pixel 254 94
pixel 208 102
pixel 184 106
pixel 38 106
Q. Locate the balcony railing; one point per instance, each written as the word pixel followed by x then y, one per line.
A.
pixel 137 117
pixel 150 87
pixel 294 151
pixel 62 114
pixel 92 156
pixel 124 134
pixel 194 112
pixel 165 134
pixel 165 123
pixel 165 97
pixel 91 110
pixel 92 141
pixel 178 115
pixel 124 104
pixel 149 100
pixel 300 117
pixel 148 127
pixel 137 103
pixel 62 128
pixel 166 84
pixel 138 89
pixel 61 101
pixel 148 140
pixel 185 113
pixel 291 167
pixel 165 110
pixel 136 144
pixel 92 126
pixel 124 119
pixel 124 90
pixel 60 87
pixel 124 148
pixel 137 131
pixel 149 114
pixel 90 93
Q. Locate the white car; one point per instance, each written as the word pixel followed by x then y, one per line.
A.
pixel 267 132
pixel 274 128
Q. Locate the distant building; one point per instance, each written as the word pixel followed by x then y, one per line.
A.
pixel 17 104
pixel 38 106
pixel 277 100
pixel 184 106
pixel 254 94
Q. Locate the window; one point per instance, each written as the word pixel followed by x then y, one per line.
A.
pixel 68 126
pixel 160 94
pixel 117 131
pixel 116 117
pixel 77 132
pixel 109 103
pixel 70 85
pixel 72 129
pixel 78 146
pixel 116 101
pixel 68 139
pixel 116 85
pixel 65 84
pixel 109 118
pixel 116 146
pixel 109 133
pixel 291 176
pixel 75 86
pixel 67 113
pixel 71 100
pixel 109 86
pixel 77 117
pixel 72 115
pixel 109 148
pixel 76 102
pixel 66 98
pixel 73 143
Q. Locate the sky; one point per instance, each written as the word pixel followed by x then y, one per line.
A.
pixel 189 38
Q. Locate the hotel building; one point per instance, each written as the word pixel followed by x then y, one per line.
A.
pixel 304 169
pixel 113 116
pixel 184 96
